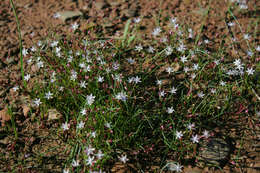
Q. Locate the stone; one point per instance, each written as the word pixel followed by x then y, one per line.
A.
pixel 65 15
pixel 214 151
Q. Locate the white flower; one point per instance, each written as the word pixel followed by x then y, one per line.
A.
pixel 66 170
pixel 173 90
pixel 93 134
pixel 74 26
pixel 27 77
pixel 73 75
pixel 37 102
pixel 216 62
pixel 191 126
pixel 89 150
pixel 222 83
pixel 81 125
pixel 156 31
pixel 206 134
pixel 99 154
pixel 257 48
pixel 178 134
pixel 33 49
pixel 56 15
pixel 25 51
pixel 193 75
pixel 159 82
pixel 169 70
pixel 15 88
pixel 75 163
pixel 121 96
pixel 48 95
pixel 83 84
pixel 137 79
pixel 195 66
pixel 39 64
pixel 90 160
pixel 186 69
pixel 231 24
pixel 90 99
pixel 130 60
pixel 173 20
pixel 123 158
pixel 137 20
pixel 201 94
pixel 57 49
pixel 54 43
pixel 184 59
pixel 108 125
pixel 151 49
pixel 250 53
pixel 246 36
pixel 181 47
pixel 130 79
pixel 115 66
pixel 139 48
pixel 168 50
pixel 175 167
pixel 65 126
pixel 83 111
pixel 213 90
pixel 195 139
pixel 237 62
pixel 250 71
pixel 100 79
pixel 162 93
pixel 170 110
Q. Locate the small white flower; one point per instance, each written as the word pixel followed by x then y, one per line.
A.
pixel 195 66
pixel 33 49
pixel 56 15
pixel 15 88
pixel 137 79
pixel 213 90
pixel 93 134
pixel 151 49
pixel 90 160
pixel 81 125
pixel 175 167
pixel 65 126
pixel 170 110
pixel 37 102
pixel 173 20
pixel 169 70
pixel 181 47
pixel 186 69
pixel 206 41
pixel 156 31
pixel 48 95
pixel 206 134
pixel 257 48
pixel 123 158
pixel 75 163
pixel 179 134
pixel 25 51
pixel 100 79
pixel 173 90
pixel 130 60
pixel 130 79
pixel 90 99
pixel 137 20
pixel 222 83
pixel 162 93
pixel 139 48
pixel 191 126
pixel 250 71
pixel 54 43
pixel 201 94
pixel 184 59
pixel 193 75
pixel 115 66
pixel 83 111
pixel 168 50
pixel 74 26
pixel 195 139
pixel 237 62
pixel 83 84
pixel 27 77
pixel 89 150
pixel 250 53
pixel 66 170
pixel 121 96
pixel 159 82
pixel 39 64
pixel 216 62
pixel 61 88
pixel 231 24
pixel 99 154
pixel 246 36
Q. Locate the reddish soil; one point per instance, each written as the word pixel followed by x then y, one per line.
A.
pixel 36 19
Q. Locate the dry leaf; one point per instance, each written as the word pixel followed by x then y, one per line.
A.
pixel 4 116
pixel 26 109
pixel 53 114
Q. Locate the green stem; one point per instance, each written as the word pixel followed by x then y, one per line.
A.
pixel 20 41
